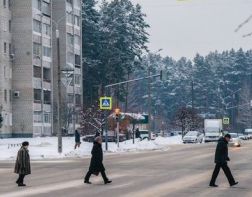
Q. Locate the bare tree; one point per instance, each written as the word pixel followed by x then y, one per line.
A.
pixel 188 120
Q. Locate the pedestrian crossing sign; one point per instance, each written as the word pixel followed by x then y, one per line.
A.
pixel 226 120
pixel 106 103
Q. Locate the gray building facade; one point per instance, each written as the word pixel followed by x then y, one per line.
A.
pixel 28 65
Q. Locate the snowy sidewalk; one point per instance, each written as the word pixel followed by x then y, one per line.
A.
pixel 46 148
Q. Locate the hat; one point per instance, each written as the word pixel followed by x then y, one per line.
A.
pixel 228 136
pixel 25 143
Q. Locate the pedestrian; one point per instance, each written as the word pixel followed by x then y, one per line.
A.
pixel 77 139
pixel 221 159
pixel 138 135
pixel 22 166
pixel 96 165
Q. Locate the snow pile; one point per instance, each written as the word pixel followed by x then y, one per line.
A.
pixel 46 148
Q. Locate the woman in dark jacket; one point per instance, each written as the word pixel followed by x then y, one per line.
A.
pixel 22 166
pixel 96 164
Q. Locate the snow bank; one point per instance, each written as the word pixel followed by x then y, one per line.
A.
pixel 46 148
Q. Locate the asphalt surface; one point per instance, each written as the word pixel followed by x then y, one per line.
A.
pixel 183 170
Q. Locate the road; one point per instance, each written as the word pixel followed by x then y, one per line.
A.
pixel 183 170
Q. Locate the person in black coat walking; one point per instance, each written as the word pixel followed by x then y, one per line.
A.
pixel 96 165
pixel 221 159
pixel 22 166
pixel 77 139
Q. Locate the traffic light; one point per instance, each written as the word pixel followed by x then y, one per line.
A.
pixel 117 113
pixel 1 120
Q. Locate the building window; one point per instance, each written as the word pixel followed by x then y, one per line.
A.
pixel 10 95
pixel 9 25
pixel 77 21
pixel 37 95
pixel 47 97
pixel 10 49
pixel 77 60
pixel 70 39
pixel 37 50
pixel 36 26
pixel 4 3
pixel 47 51
pixel 37 4
pixel 5 47
pixel 5 95
pixel 47 74
pixel 46 8
pixel 47 118
pixel 37 116
pixel 37 72
pixel 78 99
pixel 46 29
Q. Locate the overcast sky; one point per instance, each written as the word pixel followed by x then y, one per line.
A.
pixel 183 28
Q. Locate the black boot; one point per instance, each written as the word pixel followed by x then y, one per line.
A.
pixel 233 184
pixel 107 182
pixel 87 182
pixel 21 185
pixel 213 185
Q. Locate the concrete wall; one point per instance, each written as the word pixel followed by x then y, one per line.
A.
pixel 23 69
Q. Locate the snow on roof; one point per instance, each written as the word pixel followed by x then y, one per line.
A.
pixel 134 116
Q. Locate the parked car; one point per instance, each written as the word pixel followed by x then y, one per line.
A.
pixel 235 140
pixel 193 137
pixel 144 134
pixel 242 136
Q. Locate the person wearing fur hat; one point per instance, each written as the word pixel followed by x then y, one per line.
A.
pixel 22 166
pixel 96 165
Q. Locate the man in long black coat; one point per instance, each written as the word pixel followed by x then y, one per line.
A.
pixel 22 166
pixel 96 165
pixel 77 139
pixel 221 158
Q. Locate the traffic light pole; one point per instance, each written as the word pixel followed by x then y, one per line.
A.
pixel 107 93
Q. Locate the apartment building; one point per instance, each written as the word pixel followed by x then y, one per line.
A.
pixel 32 75
pixel 29 64
pixel 6 64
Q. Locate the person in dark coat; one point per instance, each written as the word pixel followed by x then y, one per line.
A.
pixel 137 133
pixel 96 165
pixel 221 159
pixel 77 139
pixel 22 166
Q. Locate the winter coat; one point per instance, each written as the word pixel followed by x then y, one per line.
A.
pixel 77 137
pixel 22 165
pixel 221 153
pixel 96 164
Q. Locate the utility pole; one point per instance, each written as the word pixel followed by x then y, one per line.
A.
pixel 192 95
pixel 59 94
pixel 149 94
